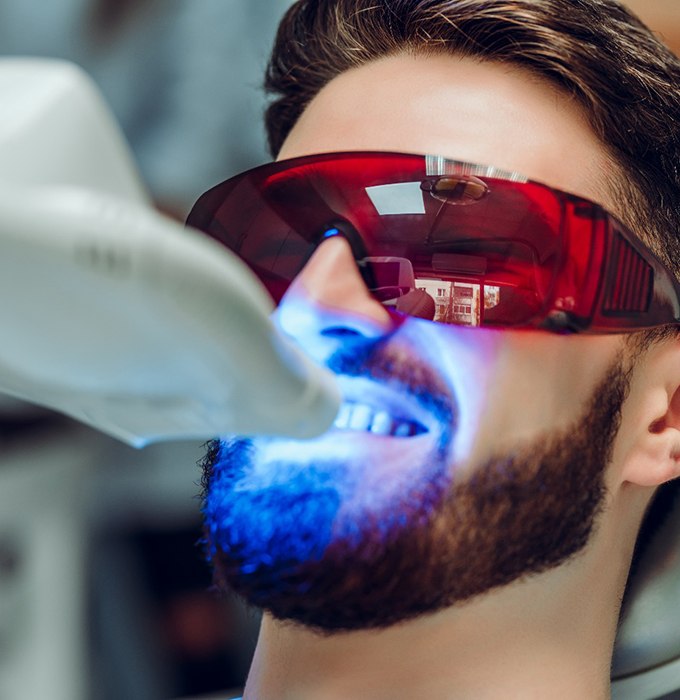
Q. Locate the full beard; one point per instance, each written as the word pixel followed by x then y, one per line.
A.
pixel 290 544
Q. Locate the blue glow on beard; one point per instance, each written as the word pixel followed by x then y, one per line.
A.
pixel 274 504
pixel 269 527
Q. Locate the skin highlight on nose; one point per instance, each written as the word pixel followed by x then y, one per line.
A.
pixel 332 280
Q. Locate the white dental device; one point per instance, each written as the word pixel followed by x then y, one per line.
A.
pixel 114 314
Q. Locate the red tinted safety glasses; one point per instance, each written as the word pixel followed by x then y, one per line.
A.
pixel 444 240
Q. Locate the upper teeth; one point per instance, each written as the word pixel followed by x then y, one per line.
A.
pixel 356 416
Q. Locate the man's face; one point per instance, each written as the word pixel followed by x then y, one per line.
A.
pixel 463 459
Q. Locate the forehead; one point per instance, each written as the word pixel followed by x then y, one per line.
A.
pixel 480 112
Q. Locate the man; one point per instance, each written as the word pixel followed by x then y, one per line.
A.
pixel 466 529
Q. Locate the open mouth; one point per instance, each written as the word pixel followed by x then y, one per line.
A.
pixel 361 417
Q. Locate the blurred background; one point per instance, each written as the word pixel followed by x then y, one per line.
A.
pixel 103 589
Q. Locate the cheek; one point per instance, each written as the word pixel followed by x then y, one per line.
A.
pixel 544 383
pixel 467 359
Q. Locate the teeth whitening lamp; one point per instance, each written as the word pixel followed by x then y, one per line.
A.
pixel 114 314
pixel 126 320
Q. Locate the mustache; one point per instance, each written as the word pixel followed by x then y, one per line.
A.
pixel 399 365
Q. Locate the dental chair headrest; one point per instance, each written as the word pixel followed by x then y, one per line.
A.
pixel 646 661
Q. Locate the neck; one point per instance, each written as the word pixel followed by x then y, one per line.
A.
pixel 551 635
pixel 502 645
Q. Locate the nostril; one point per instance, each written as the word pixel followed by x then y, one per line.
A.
pixel 340 332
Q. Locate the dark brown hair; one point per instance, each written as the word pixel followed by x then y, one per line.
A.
pixel 627 81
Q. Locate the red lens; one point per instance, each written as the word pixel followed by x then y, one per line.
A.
pixel 488 250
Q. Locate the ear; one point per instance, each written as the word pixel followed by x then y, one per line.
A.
pixel 653 454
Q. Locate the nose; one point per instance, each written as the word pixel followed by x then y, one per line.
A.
pixel 329 298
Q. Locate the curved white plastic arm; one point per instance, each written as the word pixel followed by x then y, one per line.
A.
pixel 126 320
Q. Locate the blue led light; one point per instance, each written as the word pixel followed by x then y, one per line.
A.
pixel 275 504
